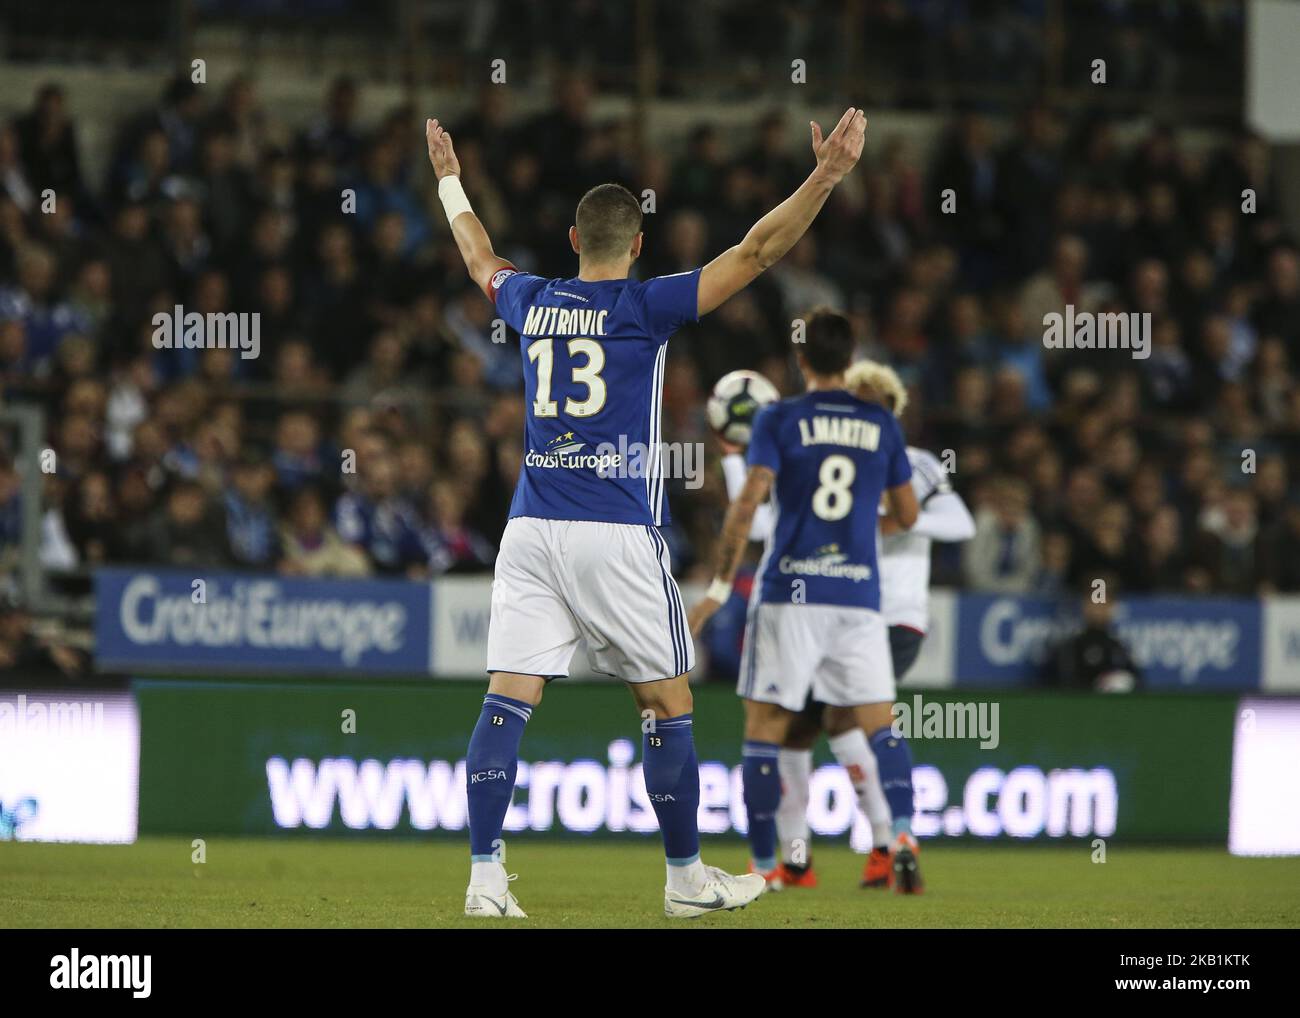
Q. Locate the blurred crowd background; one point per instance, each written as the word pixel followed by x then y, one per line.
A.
pixel 1175 473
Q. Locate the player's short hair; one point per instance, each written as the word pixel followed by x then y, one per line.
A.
pixel 608 217
pixel 828 342
pixel 881 379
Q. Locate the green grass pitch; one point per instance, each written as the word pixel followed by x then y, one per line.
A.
pixel 336 883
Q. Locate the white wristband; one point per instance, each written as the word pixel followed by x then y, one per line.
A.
pixel 719 590
pixel 453 197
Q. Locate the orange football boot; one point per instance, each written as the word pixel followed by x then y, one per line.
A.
pixel 878 872
pixel 802 876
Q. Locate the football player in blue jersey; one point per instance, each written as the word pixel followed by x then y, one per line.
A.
pixel 904 601
pixel 582 558
pixel 829 459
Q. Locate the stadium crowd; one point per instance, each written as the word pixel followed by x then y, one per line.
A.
pixel 379 430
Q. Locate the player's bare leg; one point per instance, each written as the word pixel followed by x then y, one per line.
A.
pixel 490 767
pixel 668 698
pixel 528 688
pixel 672 781
pixel 792 834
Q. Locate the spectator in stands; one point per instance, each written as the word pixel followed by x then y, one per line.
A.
pixel 801 282
pixel 47 143
pixel 453 545
pixel 1093 657
pixel 92 521
pixel 1018 347
pixel 378 521
pixel 562 131
pixel 415 468
pixel 334 133
pixel 1160 564
pixel 30 656
pixel 384 372
pixel 380 192
pixel 35 301
pixel 1278 313
pixel 1004 555
pixel 297 454
pixel 1228 548
pixel 186 531
pixel 311 546
pixel 697 176
pixel 1064 282
pixel 251 529
pixel 161 141
pixel 1054 573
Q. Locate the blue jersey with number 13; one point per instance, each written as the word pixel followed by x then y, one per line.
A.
pixel 593 388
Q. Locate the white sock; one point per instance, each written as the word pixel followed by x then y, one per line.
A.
pixel 490 875
pixel 792 832
pixel 855 756
pixel 688 879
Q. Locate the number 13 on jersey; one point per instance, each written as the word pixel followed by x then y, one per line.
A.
pixel 542 353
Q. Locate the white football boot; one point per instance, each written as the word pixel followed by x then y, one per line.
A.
pixel 481 902
pixel 721 892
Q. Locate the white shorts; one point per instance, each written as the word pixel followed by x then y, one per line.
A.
pixel 839 655
pixel 559 582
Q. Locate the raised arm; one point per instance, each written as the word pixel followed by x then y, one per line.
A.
pixel 481 262
pixel 731 546
pixel 772 236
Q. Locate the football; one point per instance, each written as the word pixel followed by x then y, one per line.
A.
pixel 737 397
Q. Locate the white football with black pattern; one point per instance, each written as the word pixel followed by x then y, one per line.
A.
pixel 735 400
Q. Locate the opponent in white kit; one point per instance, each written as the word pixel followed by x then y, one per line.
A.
pixel 582 557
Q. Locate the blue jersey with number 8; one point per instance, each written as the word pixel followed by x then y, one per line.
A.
pixel 834 455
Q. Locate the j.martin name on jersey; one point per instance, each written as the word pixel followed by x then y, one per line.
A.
pixel 850 431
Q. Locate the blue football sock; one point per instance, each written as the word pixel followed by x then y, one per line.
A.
pixel 490 767
pixel 672 780
pixel 894 758
pixel 762 797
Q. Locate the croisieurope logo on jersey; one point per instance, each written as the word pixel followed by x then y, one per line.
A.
pixel 563 452
pixel 827 561
pixel 679 460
